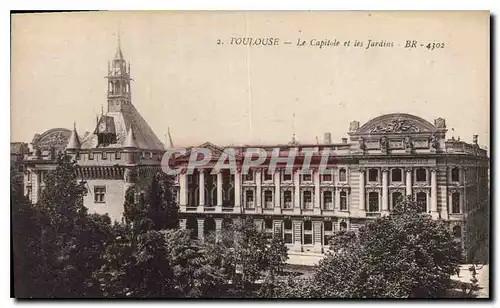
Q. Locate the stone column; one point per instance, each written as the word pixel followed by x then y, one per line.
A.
pixel 201 229
pixel 317 193
pixel 35 187
pixel 202 187
pixel 434 206
pixel 385 191
pixel 218 229
pixel 409 173
pixel 297 235
pixel 183 189
pixel 237 191
pixel 296 199
pixel 362 193
pixel 318 236
pixel 258 191
pixel 463 197
pixel 337 199
pixel 219 188
pixel 277 192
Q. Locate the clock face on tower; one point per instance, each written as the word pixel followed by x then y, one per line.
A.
pixel 102 127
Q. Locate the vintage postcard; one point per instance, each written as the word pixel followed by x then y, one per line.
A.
pixel 197 154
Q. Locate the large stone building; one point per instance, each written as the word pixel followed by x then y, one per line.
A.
pixel 121 147
pixel 389 157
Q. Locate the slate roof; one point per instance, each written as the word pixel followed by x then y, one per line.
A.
pixel 145 138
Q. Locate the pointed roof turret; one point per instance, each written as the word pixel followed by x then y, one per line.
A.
pixel 119 54
pixel 74 140
pixel 130 141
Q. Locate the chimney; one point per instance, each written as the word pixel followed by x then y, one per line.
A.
pixel 474 139
pixel 344 140
pixel 327 139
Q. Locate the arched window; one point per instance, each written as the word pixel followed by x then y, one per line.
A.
pixel 422 201
pixel 396 198
pixel 457 232
pixel 455 203
pixel 373 205
pixel 342 175
pixel 397 175
pixel 343 201
pixel 421 175
pixel 455 174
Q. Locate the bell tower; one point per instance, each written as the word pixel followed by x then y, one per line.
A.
pixel 119 94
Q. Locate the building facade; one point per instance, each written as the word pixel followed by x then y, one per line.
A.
pixel 386 159
pixel 382 161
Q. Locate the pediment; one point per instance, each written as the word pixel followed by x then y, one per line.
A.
pixel 396 123
pixel 56 138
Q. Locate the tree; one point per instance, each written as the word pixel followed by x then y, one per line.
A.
pixel 162 264
pixel 151 204
pixel 62 243
pixel 246 254
pixel 406 254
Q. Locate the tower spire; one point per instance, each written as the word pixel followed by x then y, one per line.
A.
pixel 119 54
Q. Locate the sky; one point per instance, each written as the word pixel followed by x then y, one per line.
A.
pixel 233 94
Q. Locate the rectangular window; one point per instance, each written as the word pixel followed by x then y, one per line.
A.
pixel 342 175
pixel 327 200
pixel 343 201
pixel 421 175
pixel 118 155
pixel 288 238
pixel 249 198
pixel 373 175
pixel 455 175
pixel 307 177
pixel 327 177
pixel 287 199
pixel 373 202
pixel 267 177
pixel 455 203
pixel 248 177
pixel 104 155
pixel 308 239
pixel 91 155
pixel 99 194
pixel 287 177
pixel 268 199
pixel 307 197
pixel 422 201
pixel 397 175
pixel 328 226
